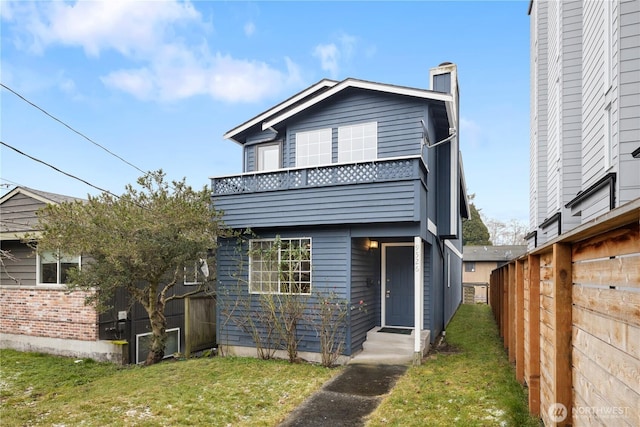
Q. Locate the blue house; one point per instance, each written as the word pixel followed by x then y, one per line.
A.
pixel 368 178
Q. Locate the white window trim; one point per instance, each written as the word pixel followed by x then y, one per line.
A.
pixel 319 132
pixel 278 292
pixel 38 271
pixel 166 356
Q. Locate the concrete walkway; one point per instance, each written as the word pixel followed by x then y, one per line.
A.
pixel 348 398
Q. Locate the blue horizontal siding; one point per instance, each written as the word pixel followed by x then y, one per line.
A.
pixel 329 249
pixel 398 118
pixel 358 203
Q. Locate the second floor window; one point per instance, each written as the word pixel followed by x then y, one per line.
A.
pixel 313 148
pixel 357 143
pixel 470 267
pixel 53 268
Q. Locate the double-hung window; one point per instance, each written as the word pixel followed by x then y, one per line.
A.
pixel 53 267
pixel 357 143
pixel 313 148
pixel 280 266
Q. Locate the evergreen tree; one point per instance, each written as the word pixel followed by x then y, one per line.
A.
pixel 474 231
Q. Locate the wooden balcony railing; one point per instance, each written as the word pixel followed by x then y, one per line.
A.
pixel 394 169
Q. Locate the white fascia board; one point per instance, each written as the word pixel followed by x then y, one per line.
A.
pixel 453 248
pixel 323 83
pixel 361 84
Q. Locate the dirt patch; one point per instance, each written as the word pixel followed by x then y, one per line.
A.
pixel 441 346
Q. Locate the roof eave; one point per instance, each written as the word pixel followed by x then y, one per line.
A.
pixel 231 134
pixel 362 84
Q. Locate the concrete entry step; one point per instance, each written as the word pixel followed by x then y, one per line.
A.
pixel 390 348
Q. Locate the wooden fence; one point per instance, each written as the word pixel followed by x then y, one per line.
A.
pixel 569 315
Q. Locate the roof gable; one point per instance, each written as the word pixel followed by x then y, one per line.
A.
pixel 18 210
pixel 324 90
pixel 288 103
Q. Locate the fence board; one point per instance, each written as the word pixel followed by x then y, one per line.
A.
pixel 617 304
pixel 618 271
pixel 621 241
pixel 617 363
pixel 588 401
pixel 621 335
pixel 601 390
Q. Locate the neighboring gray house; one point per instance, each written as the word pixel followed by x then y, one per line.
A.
pixel 38 313
pixel 585 112
pixel 369 178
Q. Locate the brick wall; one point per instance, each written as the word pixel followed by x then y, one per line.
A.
pixel 51 313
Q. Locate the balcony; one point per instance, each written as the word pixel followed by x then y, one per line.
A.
pixel 384 190
pixel 321 176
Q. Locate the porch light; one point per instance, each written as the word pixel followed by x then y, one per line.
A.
pixel 373 244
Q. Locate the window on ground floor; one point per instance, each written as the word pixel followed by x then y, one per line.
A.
pixel 280 266
pixel 53 267
pixel 143 342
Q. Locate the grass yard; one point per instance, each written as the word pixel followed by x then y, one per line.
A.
pixel 43 390
pixel 467 382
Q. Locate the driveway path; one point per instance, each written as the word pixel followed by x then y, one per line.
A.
pixel 348 398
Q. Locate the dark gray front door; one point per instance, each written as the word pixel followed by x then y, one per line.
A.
pixel 399 286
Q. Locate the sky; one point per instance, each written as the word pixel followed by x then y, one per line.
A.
pixel 148 85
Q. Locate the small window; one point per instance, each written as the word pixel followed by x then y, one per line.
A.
pixel 143 342
pixel 470 267
pixel 53 267
pixel 313 148
pixel 196 273
pixel 268 157
pixel 280 266
pixel 358 143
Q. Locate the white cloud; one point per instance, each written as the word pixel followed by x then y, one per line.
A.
pixel 329 56
pixel 152 35
pixel 249 29
pixel 334 56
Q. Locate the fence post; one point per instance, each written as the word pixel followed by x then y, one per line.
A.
pixel 504 278
pixel 533 381
pixel 519 320
pixel 562 307
pixel 511 283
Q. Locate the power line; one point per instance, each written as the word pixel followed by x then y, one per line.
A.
pixel 58 170
pixel 69 127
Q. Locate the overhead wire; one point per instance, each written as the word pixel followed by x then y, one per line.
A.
pixel 71 128
pixel 57 169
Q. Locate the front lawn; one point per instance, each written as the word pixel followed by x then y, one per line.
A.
pixel 466 382
pixel 43 390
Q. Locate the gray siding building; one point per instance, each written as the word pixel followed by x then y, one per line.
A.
pixel 585 112
pixel 368 178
